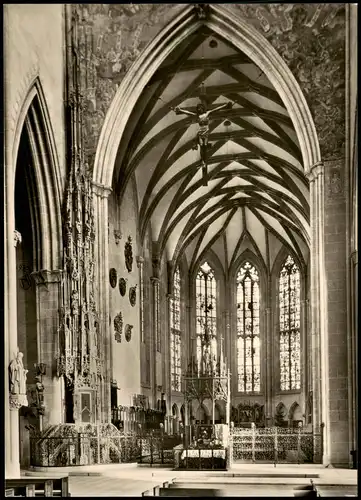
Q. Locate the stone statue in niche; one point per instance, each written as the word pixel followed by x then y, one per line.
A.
pixel 133 295
pixel 123 286
pixel 17 375
pixel 113 277
pixel 17 382
pixel 39 394
pixel 128 254
pixel 118 327
pixel 128 332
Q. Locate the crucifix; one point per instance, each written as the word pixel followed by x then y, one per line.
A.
pixel 202 115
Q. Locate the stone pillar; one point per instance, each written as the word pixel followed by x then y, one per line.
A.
pixel 352 352
pixel 336 269
pixel 227 338
pixel 48 303
pixel 12 451
pixel 304 351
pixel 319 335
pixel 168 353
pixel 156 337
pixel 101 295
pixel 140 264
pixel 268 368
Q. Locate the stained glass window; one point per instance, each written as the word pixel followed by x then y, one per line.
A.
pixel 175 333
pixel 206 313
pixel 290 338
pixel 248 334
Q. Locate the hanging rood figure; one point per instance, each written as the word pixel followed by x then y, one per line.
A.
pixel 202 115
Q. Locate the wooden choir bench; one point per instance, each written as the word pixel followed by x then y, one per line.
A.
pixel 37 486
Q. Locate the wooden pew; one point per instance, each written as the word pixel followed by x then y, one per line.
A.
pixel 39 486
pixel 188 492
pixel 10 492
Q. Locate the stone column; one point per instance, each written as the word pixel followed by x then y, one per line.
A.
pixel 319 336
pixel 268 375
pixel 48 304
pixel 227 338
pixel 140 264
pixel 101 295
pixel 168 385
pixel 304 351
pixel 156 336
pixel 12 452
pixel 352 352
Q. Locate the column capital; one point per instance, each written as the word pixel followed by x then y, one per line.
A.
pixel 17 238
pixel 155 280
pixel 45 276
pixel 101 190
pixel 16 401
pixel 315 171
pixel 140 260
pixel 354 257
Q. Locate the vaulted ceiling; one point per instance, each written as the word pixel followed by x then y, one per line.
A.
pixel 256 196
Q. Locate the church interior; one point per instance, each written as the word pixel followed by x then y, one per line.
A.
pixel 181 242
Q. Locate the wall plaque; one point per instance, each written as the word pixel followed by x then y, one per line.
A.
pixel 128 254
pixel 118 327
pixel 113 277
pixel 122 286
pixel 133 295
pixel 128 332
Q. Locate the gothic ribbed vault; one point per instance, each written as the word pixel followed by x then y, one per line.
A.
pixel 256 191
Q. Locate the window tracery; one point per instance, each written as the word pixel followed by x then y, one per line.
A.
pixel 175 329
pixel 248 331
pixel 206 313
pixel 289 326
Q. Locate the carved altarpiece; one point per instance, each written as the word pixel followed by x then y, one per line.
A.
pixel 79 358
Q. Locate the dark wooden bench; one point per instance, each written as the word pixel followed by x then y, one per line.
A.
pixel 188 492
pixel 39 486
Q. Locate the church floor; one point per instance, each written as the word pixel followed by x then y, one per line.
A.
pixel 241 480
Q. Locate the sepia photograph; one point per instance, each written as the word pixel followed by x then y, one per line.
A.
pixel 180 249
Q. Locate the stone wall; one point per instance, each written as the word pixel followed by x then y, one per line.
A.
pixel 125 349
pixel 309 37
pixel 34 42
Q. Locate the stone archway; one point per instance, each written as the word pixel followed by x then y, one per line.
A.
pixel 255 46
pixel 32 138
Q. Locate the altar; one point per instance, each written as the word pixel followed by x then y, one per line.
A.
pixel 200 458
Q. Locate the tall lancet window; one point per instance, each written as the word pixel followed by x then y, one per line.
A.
pixel 206 311
pixel 290 337
pixel 248 337
pixel 175 333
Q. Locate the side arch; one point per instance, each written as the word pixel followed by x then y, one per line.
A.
pixel 243 36
pixel 34 118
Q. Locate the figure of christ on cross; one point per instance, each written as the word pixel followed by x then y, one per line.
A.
pixel 203 132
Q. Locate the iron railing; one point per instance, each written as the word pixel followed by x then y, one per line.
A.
pixel 83 450
pixel 156 448
pixel 276 445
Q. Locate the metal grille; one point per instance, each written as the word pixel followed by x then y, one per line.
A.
pixel 83 449
pixel 277 445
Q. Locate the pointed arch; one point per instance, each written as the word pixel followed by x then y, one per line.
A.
pixel 243 36
pixel 34 120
